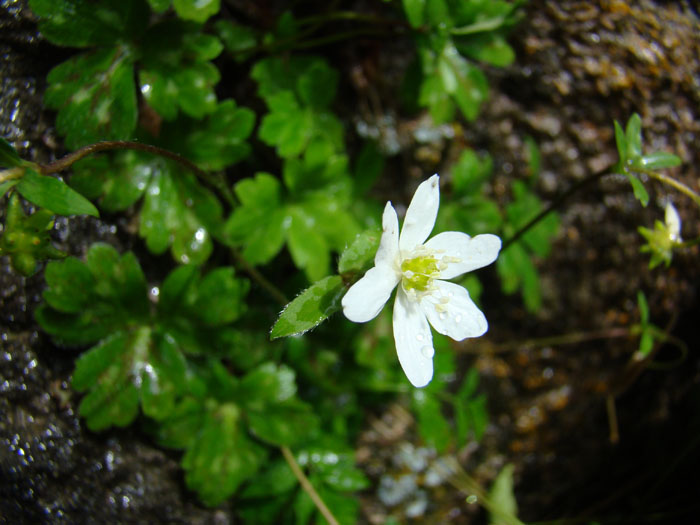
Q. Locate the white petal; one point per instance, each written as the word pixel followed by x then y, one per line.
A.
pixel 366 298
pixel 468 253
pixel 414 342
pixel 388 251
pixel 421 214
pixel 673 222
pixel 452 312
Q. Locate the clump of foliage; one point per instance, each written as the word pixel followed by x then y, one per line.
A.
pixel 256 204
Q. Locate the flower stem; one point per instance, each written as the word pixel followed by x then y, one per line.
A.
pixel 556 203
pixel 562 339
pixel 67 161
pixel 307 486
pixel 673 183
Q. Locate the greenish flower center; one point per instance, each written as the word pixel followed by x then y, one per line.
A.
pixel 419 272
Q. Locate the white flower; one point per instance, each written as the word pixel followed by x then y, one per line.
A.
pixel 673 223
pixel 423 296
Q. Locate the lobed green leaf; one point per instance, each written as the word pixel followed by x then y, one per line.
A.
pixel 95 96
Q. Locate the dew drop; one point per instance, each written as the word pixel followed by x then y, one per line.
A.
pixel 420 337
pixel 443 316
pixel 427 351
pixel 458 319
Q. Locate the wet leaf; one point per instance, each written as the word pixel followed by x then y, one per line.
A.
pixel 659 160
pixel 176 73
pixel 360 254
pixel 221 457
pixel 310 308
pixel 259 223
pixel 95 96
pixel 82 23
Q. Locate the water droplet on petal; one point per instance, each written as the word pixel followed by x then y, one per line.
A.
pixel 458 319
pixel 420 337
pixel 427 351
pixel 443 316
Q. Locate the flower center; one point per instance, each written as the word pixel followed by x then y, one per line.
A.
pixel 419 272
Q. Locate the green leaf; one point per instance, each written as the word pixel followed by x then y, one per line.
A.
pixel 284 424
pixel 54 194
pixel 115 181
pixel 196 10
pixel 317 85
pixel 432 425
pixel 297 93
pixel 471 415
pixel 181 427
pixel 638 188
pixel 27 239
pixel 196 311
pixel 7 186
pixel 220 141
pixel 259 223
pixel 9 157
pixel 176 73
pixel 82 23
pixel 488 47
pixel 659 160
pixel 621 143
pixel 470 172
pixel 414 10
pixel 62 280
pixel 643 308
pixel 124 369
pixel 368 167
pixel 220 297
pixel 178 212
pixel 310 308
pixel 238 40
pixel 633 136
pixel 504 508
pixel 221 457
pixel 288 127
pixel 159 5
pixel 115 296
pixel 360 254
pixel 95 97
pixel 277 479
pixel 307 246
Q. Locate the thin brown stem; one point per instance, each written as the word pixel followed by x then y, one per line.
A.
pixel 67 161
pixel 612 418
pixel 556 203
pixel 562 339
pixel 275 292
pixel 307 486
